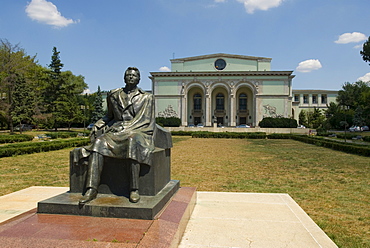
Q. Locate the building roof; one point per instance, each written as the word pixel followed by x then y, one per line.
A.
pixel 314 91
pixel 222 73
pixel 219 55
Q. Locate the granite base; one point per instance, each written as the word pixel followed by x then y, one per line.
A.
pixel 108 205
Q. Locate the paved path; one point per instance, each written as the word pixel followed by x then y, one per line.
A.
pixel 218 220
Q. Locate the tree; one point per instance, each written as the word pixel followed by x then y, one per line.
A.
pixel 365 53
pixel 67 109
pixel 14 63
pixel 22 109
pixel 303 118
pixel 54 86
pixel 98 111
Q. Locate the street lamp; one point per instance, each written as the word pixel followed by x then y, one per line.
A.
pixel 84 107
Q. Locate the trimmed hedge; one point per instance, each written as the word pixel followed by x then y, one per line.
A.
pixel 366 138
pixel 64 135
pixel 34 147
pixel 182 133
pixel 12 138
pixel 168 122
pixel 339 146
pixel 229 135
pixel 279 122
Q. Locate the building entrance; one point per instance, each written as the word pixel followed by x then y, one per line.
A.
pixel 220 120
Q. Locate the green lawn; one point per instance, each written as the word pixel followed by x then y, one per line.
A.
pixel 332 187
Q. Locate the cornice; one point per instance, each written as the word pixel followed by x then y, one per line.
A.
pixel 315 91
pixel 222 74
pixel 220 55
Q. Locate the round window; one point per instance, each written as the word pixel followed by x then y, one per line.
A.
pixel 220 64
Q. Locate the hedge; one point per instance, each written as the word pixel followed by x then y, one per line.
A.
pixel 279 122
pixel 168 122
pixel 34 147
pixel 12 138
pixel 64 135
pixel 229 135
pixel 339 146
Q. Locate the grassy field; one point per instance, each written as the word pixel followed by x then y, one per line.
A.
pixel 332 187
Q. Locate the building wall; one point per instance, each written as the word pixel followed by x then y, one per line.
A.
pixel 194 88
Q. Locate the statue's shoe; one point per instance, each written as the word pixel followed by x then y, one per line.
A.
pixel 134 196
pixel 90 195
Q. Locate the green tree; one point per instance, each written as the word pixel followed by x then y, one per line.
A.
pixel 302 118
pixel 317 118
pixel 14 63
pixel 67 109
pixel 365 53
pixel 22 109
pixel 98 111
pixel 55 85
pixel 355 98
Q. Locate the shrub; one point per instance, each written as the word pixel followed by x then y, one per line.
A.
pixel 229 135
pixel 339 146
pixel 279 136
pixel 280 122
pixel 181 133
pixel 15 138
pixel 168 122
pixel 34 147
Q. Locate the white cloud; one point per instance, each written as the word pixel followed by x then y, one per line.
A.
pixel 365 78
pixel 350 38
pixel 358 46
pixel 46 12
pixel 309 65
pixel 164 68
pixel 252 5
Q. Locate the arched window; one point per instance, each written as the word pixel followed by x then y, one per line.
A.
pixel 197 101
pixel 243 101
pixel 220 101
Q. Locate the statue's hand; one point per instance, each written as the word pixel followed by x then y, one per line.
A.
pixel 116 128
pixel 93 133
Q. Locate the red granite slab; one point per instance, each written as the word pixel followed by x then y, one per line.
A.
pixel 47 230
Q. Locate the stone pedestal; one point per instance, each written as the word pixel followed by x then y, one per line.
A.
pixel 110 205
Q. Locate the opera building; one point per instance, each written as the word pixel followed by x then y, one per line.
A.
pixel 230 90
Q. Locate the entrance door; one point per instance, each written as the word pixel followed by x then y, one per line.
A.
pixel 197 120
pixel 243 120
pixel 220 120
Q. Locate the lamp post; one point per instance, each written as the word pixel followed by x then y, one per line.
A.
pixel 84 107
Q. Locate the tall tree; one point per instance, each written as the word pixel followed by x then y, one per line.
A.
pixel 55 85
pixel 365 53
pixel 98 111
pixel 67 106
pixel 22 109
pixel 14 63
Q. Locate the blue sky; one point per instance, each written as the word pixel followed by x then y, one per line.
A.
pixel 319 40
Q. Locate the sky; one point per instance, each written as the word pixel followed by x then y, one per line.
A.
pixel 319 40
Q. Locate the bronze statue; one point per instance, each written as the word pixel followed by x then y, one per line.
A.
pixel 126 132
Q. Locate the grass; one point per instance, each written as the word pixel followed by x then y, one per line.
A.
pixel 332 187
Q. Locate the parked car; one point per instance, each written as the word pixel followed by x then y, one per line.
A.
pixel 25 127
pixel 243 126
pixel 301 126
pixel 355 129
pixel 365 128
pixel 191 125
pixel 200 125
pixel 90 126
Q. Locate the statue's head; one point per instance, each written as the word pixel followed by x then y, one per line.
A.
pixel 132 76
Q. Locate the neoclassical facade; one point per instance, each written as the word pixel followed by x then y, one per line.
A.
pixel 222 88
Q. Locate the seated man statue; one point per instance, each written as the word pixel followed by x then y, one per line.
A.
pixel 126 132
